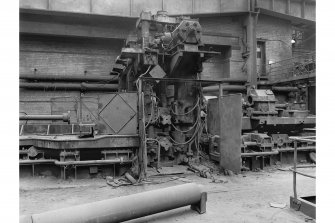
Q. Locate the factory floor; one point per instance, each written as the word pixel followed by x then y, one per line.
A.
pixel 240 198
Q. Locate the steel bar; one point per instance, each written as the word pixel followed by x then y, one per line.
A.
pixel 306 166
pixel 305 148
pixel 284 89
pixel 259 154
pixel 303 174
pixel 78 163
pixel 65 117
pixel 125 208
pixel 224 80
pixel 91 162
pixel 224 88
pixel 241 88
pixel 304 139
pixel 295 169
pixel 70 78
pixel 30 162
pixel 69 86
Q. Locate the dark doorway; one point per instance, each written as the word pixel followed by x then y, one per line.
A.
pixel 260 58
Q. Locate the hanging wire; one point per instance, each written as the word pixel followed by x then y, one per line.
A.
pixel 188 112
pixel 190 140
pixel 142 76
pixel 184 131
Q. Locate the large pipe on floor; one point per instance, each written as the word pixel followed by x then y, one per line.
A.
pixel 125 208
pixel 64 117
pixel 69 86
pixel 72 78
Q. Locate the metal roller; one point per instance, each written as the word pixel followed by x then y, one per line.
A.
pixel 69 86
pixel 70 78
pixel 127 207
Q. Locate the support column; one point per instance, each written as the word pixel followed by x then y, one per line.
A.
pixel 142 154
pixel 252 45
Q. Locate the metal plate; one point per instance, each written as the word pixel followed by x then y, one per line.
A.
pixel 114 113
pixel 230 108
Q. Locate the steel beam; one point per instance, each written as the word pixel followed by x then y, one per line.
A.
pixel 127 207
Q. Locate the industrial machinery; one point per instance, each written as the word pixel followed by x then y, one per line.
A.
pixel 151 110
pixel 146 113
pixel 268 120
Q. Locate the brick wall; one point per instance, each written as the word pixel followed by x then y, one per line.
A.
pixel 277 34
pixel 227 26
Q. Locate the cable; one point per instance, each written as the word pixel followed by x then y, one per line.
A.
pixel 151 114
pixel 184 131
pixel 142 76
pixel 190 140
pixel 189 110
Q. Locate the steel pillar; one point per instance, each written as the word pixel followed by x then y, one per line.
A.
pixel 252 45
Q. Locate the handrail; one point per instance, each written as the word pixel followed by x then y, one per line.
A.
pixel 294 169
pixel 291 67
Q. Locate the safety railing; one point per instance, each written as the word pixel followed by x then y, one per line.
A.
pixel 289 68
pixel 295 167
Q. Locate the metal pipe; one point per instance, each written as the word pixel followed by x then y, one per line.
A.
pixel 260 154
pixel 29 162
pixel 224 88
pixel 305 148
pixel 72 78
pixel 303 174
pixel 91 162
pixel 69 86
pixel 295 169
pixel 64 117
pixel 83 162
pixel 277 151
pixel 125 208
pixel 241 88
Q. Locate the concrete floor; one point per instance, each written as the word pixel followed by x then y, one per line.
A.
pixel 244 198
